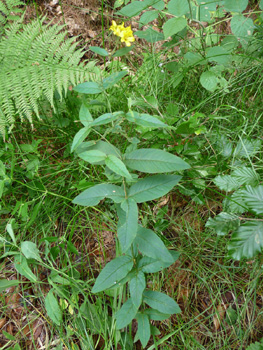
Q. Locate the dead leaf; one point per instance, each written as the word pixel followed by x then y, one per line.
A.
pixel 2 322
pixel 217 319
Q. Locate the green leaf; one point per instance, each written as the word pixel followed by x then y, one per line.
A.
pixel 137 286
pixel 9 229
pixel 93 157
pixel 208 80
pixel 178 8
pixel 113 79
pixel 117 166
pixel 226 183
pixel 148 16
pixel 93 195
pixel 98 50
pixel 150 265
pixel 242 27
pixel 126 314
pixel 123 51
pixel 113 272
pixel 79 137
pixel 22 267
pixel 90 87
pixel 104 119
pixel 151 245
pixel 84 115
pixel 4 284
pixel 223 223
pixel 218 54
pixel 53 309
pixel 235 5
pixel 128 229
pixel 255 346
pixel 150 35
pixel 154 161
pixel 144 331
pixel 150 188
pixel 235 204
pixel 156 315
pixel 246 148
pixel 102 146
pixel 173 26
pixel 145 120
pixel 253 198
pixel 132 9
pixel 30 250
pixel 245 175
pixel 161 302
pixel 247 241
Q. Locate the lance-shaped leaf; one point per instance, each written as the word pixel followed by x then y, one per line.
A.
pixel 53 309
pixel 117 166
pixel 105 119
pixel 102 146
pixel 93 157
pixel 145 120
pixel 161 302
pixel 154 161
pixel 253 198
pixel 4 284
pixel 93 195
pixel 128 228
pixel 84 115
pixel 137 286
pixel 22 267
pixel 247 241
pixel 90 87
pixel 113 79
pixel 30 250
pixel 153 187
pixel 113 272
pixel 144 331
pixel 79 137
pixel 156 315
pixel 126 314
pixel 150 265
pixel 151 245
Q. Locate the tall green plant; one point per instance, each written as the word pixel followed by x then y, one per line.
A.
pixel 141 251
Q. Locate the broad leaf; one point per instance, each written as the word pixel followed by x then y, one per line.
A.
pixel 123 51
pixel 242 27
pixel 79 137
pixel 132 9
pixel 117 166
pixel 84 115
pixel 151 245
pixel 208 80
pixel 113 79
pixel 218 54
pixel 53 309
pixel 173 26
pixel 126 314
pixel 144 331
pixel 246 176
pixel 178 8
pixel 137 286
pixel 161 302
pixel 22 267
pixel 235 204
pixel 102 146
pixel 150 265
pixel 156 315
pixel 93 195
pixel 247 241
pixel 227 183
pixel 150 188
pixel 148 16
pixel 235 5
pixel 253 198
pixel 154 161
pixel 89 87
pixel 246 148
pixel 100 51
pixel 113 272
pixel 104 119
pixel 30 250
pixel 128 229
pixel 4 284
pixel 93 157
pixel 145 120
pixel 150 35
pixel 223 223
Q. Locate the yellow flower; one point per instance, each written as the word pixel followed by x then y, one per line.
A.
pixel 126 34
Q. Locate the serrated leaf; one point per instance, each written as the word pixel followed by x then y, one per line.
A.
pixel 4 284
pixel 173 26
pixel 156 315
pixel 137 285
pixel 100 51
pixel 154 161
pixel 235 5
pixel 253 198
pixel 53 309
pixel 93 157
pixel 226 183
pixel 126 314
pixel 79 137
pixel 90 88
pixel 30 250
pixel 117 166
pixel 113 272
pixel 84 115
pixel 113 79
pixel 178 8
pixel 161 302
pixel 144 331
pixel 150 188
pixel 235 203
pixel 245 175
pixel 128 229
pixel 255 346
pixel 247 241
pixel 246 148
pixel 150 35
pixel 208 80
pixel 93 195
pixel 223 223
pixel 145 120
pixel 151 245
pixel 150 265
pixel 22 267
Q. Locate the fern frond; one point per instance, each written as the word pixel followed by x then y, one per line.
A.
pixel 37 60
pixel 7 7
